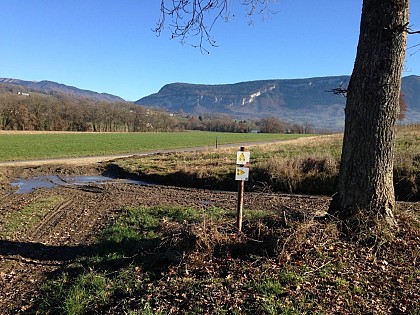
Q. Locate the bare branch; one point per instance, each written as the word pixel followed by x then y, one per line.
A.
pixel 411 32
pixel 339 91
pixel 189 18
pixel 417 46
pixel 260 6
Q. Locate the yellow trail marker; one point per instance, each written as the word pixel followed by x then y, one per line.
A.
pixel 239 172
pixel 242 157
pixel 242 173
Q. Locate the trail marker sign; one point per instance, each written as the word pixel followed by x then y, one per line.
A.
pixel 242 173
pixel 242 157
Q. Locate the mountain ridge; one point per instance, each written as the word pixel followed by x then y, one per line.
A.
pixel 48 87
pixel 304 100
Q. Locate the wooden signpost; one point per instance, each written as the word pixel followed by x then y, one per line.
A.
pixel 241 174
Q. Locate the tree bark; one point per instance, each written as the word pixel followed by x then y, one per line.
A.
pixel 365 183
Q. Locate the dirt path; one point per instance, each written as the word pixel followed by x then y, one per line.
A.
pixel 105 158
pixel 67 161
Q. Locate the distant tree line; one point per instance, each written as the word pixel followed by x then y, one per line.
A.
pixel 60 112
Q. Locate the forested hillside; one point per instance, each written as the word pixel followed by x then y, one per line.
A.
pixel 54 88
pixel 20 110
pixel 35 111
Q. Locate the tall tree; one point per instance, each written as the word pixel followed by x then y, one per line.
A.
pixel 365 185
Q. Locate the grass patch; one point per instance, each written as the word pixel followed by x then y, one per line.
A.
pixel 407 164
pixel 215 168
pixel 58 145
pixel 186 261
pixel 27 217
pixel 303 166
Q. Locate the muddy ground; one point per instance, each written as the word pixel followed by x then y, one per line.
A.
pixel 33 253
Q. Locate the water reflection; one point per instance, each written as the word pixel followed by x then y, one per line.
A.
pixel 25 186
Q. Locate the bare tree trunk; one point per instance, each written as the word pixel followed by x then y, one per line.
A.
pixel 365 183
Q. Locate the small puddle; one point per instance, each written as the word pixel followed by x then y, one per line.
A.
pixel 26 186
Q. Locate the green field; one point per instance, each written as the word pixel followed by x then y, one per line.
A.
pixel 24 146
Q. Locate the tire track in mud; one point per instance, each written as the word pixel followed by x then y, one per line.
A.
pixel 28 258
pixel 86 213
pixel 75 220
pixel 49 222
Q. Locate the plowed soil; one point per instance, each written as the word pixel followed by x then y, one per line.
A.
pixel 34 252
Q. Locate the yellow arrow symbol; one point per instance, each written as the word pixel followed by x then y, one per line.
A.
pixel 239 172
pixel 241 157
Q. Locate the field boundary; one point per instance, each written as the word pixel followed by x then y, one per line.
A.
pixel 85 160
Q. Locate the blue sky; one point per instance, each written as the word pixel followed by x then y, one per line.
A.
pixel 108 45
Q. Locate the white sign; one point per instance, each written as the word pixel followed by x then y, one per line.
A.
pixel 242 157
pixel 242 173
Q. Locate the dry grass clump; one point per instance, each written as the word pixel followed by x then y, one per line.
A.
pixel 407 163
pixel 3 177
pixel 302 166
pixel 273 235
pixel 281 260
pixel 305 174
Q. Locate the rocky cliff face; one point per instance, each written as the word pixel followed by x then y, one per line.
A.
pixel 299 100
